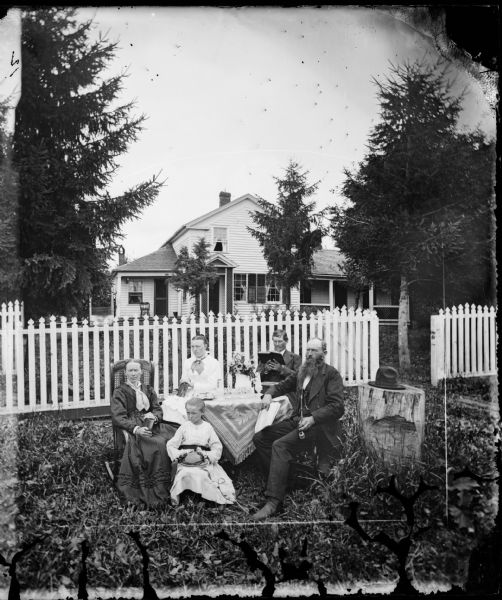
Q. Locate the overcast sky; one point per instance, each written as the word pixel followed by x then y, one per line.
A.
pixel 232 95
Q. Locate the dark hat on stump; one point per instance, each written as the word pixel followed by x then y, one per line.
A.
pixel 386 378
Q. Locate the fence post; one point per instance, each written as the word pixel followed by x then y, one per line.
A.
pixel 493 343
pixel 374 345
pixel 437 348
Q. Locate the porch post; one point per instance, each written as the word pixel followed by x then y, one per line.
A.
pixel 331 295
pixel 118 291
pixel 229 290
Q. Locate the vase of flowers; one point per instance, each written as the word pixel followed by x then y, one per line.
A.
pixel 243 372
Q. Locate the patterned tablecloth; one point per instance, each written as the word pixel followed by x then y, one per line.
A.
pixel 233 417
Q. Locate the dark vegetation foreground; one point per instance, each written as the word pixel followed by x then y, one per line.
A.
pixel 64 493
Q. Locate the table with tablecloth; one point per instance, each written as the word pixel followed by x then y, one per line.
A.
pixel 234 416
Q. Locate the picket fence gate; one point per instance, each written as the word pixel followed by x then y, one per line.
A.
pixel 64 364
pixel 463 342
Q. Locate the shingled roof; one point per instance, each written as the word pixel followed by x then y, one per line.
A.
pixel 162 259
pixel 328 262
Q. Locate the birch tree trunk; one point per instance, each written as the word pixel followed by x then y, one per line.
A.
pixel 402 327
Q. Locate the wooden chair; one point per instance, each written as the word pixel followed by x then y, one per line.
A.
pixel 121 436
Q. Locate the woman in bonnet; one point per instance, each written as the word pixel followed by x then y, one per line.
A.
pixel 145 468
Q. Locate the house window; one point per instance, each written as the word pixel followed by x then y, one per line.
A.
pixel 135 291
pixel 258 292
pixel 240 284
pixel 220 241
pixel 273 294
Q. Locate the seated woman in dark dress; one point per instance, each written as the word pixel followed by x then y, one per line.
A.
pixel 145 469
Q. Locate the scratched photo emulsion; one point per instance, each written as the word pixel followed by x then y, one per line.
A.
pixel 248 302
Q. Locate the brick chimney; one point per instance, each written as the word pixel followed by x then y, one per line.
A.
pixel 224 198
pixel 122 256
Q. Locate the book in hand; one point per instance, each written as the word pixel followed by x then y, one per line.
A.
pixel 264 357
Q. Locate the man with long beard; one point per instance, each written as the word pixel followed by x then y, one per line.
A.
pixel 317 407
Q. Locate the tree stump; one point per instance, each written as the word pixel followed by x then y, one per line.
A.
pixel 392 422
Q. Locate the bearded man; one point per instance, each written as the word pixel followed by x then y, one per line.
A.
pixel 317 401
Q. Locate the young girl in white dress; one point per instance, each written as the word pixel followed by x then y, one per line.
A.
pixel 207 479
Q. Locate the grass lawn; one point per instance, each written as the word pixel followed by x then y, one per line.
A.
pixel 64 492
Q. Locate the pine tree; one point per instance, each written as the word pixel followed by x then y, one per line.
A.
pixel 70 129
pixel 193 273
pixel 289 232
pixel 421 198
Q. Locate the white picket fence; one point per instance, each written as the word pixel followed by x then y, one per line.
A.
pixel 64 364
pixel 463 342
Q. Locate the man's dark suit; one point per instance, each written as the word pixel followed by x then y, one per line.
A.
pixel 278 444
pixel 292 363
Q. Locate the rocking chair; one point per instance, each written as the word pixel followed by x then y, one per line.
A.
pixel 121 436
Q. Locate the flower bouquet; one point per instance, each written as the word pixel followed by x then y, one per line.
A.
pixel 242 371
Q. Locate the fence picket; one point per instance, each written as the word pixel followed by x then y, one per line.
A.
pixel 183 334
pixel 263 333
pixel 85 363
pixel 479 341
pixel 53 359
pixel 175 353
pixel 126 347
pixel 165 355
pixel 31 364
pixel 474 366
pixel 146 338
pixel 245 326
pixel 96 363
pixel 350 345
pixel 64 363
pixel 460 340
pixel 254 330
pixel 106 358
pixel 357 346
pixel 486 341
pixel 116 340
pixel 237 325
pixel 221 339
pixel 75 361
pixel 304 336
pixel 135 335
pixel 155 352
pixel 296 330
pixel 43 366
pixel 229 345
pixel 19 342
pixel 493 342
pixel 365 347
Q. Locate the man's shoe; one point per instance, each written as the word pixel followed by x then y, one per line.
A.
pixel 266 511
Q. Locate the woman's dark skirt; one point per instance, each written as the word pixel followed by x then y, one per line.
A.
pixel 145 469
